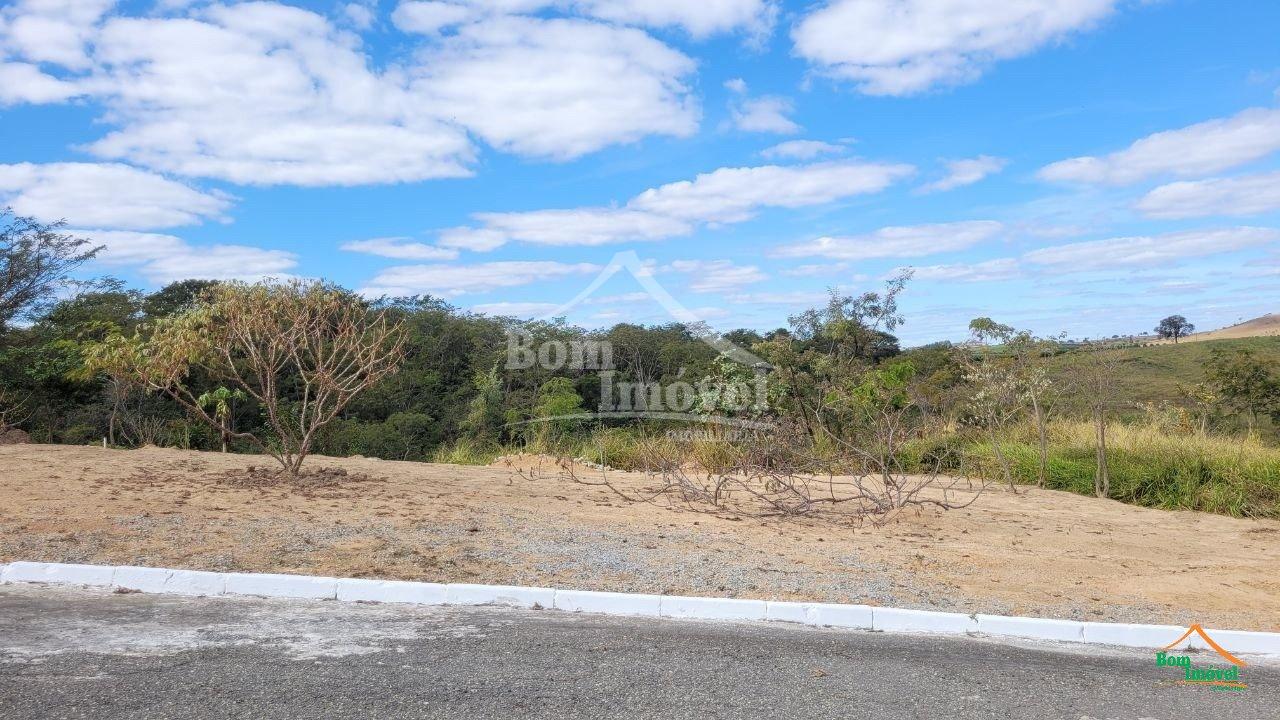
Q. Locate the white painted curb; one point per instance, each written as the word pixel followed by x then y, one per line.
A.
pixel 861 617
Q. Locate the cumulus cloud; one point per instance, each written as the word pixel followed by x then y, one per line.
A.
pixel 163 259
pixel 261 93
pixel 801 150
pixel 699 19
pixel 25 83
pixel 898 241
pixel 900 47
pixel 767 114
pixel 454 280
pixel 707 276
pixel 265 93
pixel 1199 149
pixel 557 88
pixel 51 31
pixel 109 195
pixel 987 271
pixel 1245 195
pixel 1151 251
pixel 736 194
pixel 966 172
pixel 725 195
pixel 400 248
pixel 515 309
pixel 582 226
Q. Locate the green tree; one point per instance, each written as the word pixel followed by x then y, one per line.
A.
pixel 221 401
pixel 557 398
pixel 35 258
pixel 1174 326
pixel 1247 384
pixel 483 421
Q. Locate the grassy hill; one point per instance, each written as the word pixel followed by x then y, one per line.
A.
pixel 1153 373
pixel 1266 326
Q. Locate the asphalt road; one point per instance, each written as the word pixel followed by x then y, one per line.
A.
pixel 92 654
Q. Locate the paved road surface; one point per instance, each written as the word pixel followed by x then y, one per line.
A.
pixel 92 654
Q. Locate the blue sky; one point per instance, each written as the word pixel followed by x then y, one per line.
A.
pixel 1087 167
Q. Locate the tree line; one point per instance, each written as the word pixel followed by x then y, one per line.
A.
pixel 294 368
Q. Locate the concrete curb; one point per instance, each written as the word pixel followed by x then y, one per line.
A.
pixel 860 617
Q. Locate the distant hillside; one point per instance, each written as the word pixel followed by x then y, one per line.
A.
pixel 1152 373
pixel 1266 326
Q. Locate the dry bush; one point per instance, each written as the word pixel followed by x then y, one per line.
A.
pixel 13 409
pixel 302 351
pixel 779 474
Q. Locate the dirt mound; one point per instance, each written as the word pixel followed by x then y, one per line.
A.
pixel 14 436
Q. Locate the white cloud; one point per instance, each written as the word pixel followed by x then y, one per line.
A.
pixel 400 248
pixel 51 31
pixel 1150 251
pixel 966 172
pixel 558 88
pixel 583 226
pixel 360 16
pixel 261 93
pixel 431 17
pixel 220 262
pixel 699 19
pixel 109 195
pixel 1245 195
pixel 767 114
pixel 264 93
pixel 1206 147
pixel 515 309
pixel 473 239
pixel 454 280
pixel 900 47
pixel 163 259
pixel 736 194
pixel 737 85
pixel 816 269
pixel 706 276
pixel 792 297
pixel 25 83
pixel 898 241
pixel 801 150
pixel 987 271
pixel 726 195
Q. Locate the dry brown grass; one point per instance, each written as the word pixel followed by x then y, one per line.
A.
pixel 1039 552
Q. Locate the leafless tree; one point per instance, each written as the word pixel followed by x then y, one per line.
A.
pixel 1095 375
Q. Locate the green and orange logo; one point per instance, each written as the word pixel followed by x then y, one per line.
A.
pixel 1215 677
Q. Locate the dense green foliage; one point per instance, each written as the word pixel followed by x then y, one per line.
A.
pixel 1178 413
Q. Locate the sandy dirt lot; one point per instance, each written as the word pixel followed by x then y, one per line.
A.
pixel 1039 552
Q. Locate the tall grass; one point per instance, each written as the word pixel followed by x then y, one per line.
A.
pixel 1149 466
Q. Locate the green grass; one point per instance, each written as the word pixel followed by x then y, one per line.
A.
pixel 1152 374
pixel 1149 466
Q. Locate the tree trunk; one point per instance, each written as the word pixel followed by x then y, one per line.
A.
pixel 1004 464
pixel 1044 441
pixel 1102 476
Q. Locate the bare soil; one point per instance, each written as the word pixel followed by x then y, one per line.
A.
pixel 1038 552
